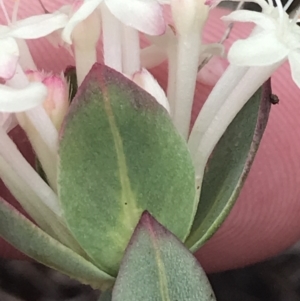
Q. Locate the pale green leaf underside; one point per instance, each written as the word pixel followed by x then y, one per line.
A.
pixel 157 267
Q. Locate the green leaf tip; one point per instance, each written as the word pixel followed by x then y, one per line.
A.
pixel 100 78
pixel 157 266
pixel 228 167
pixel 120 155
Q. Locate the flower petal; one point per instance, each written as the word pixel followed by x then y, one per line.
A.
pixel 18 100
pixel 262 49
pixel 146 81
pixel 85 9
pixel 4 30
pixel 294 60
pixel 143 15
pixel 9 56
pixel 38 26
pixel 260 19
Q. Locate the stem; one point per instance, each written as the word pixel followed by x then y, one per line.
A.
pixel 112 39
pixel 131 50
pixel 186 74
pixel 85 58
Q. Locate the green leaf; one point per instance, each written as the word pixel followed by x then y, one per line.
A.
pixel 105 296
pixel 33 203
pixel 120 155
pixel 158 267
pixel 228 167
pixel 35 243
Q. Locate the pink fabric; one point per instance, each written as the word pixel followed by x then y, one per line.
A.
pixel 266 217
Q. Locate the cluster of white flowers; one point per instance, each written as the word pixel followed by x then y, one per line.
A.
pixel 38 102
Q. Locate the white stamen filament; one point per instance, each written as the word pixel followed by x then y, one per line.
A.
pixel 280 10
pixel 14 17
pixel 287 5
pixel 5 12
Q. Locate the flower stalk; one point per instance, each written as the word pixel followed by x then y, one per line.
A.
pixel 112 39
pixel 189 18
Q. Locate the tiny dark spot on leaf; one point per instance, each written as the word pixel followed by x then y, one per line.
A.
pixel 125 203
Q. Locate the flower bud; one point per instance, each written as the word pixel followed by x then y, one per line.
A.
pixel 56 103
pixel 145 80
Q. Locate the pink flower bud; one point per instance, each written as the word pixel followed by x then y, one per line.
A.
pixel 145 80
pixel 56 103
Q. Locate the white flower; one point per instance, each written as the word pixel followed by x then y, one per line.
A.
pixel 9 56
pixel 30 28
pixel 276 38
pixel 19 100
pixel 18 94
pixel 143 15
